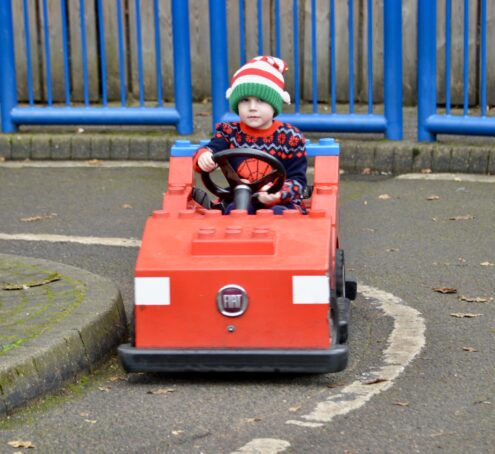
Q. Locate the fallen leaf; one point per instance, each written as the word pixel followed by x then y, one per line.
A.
pixel 466 217
pixel 54 277
pixel 95 162
pixel 477 299
pixel 487 264
pixel 80 130
pixel 2 158
pixel 104 388
pixel 487 402
pixel 126 206
pixel 177 432
pixel 400 403
pixel 469 349
pixel 465 315
pixel 425 170
pixel 21 444
pixel 162 391
pixel 444 290
pixel 203 114
pixel 91 421
pixel 366 171
pixel 251 420
pixel 441 433
pixel 393 249
pixel 433 197
pixel 385 197
pixel 39 217
pixel 294 409
pixel 374 381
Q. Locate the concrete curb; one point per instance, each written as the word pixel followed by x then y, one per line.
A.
pixel 377 155
pixel 75 344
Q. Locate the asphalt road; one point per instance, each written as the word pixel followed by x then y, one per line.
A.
pixel 396 240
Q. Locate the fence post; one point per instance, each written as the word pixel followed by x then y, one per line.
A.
pixel 393 68
pixel 182 65
pixel 427 67
pixel 219 59
pixel 8 84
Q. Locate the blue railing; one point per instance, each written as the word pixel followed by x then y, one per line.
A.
pixel 14 115
pixel 389 123
pixel 430 122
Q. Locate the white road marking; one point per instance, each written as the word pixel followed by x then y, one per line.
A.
pixel 404 343
pixel 263 446
pixel 461 177
pixel 88 240
pixel 94 164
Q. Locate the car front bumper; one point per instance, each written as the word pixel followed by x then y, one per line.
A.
pixel 333 359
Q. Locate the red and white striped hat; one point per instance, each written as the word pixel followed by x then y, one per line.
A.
pixel 261 77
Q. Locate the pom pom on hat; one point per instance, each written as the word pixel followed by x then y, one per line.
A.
pixel 261 77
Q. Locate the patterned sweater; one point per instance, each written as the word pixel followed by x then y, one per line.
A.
pixel 281 140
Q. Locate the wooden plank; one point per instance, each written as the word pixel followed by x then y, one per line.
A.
pixel 490 53
pixel 200 49
pixel 409 53
pixel 76 51
pixel 287 46
pixel 457 52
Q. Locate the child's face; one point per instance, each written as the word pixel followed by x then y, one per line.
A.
pixel 256 113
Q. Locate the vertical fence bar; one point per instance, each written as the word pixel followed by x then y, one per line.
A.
pixel 103 57
pixel 351 54
pixel 393 67
pixel 48 60
pixel 84 51
pixel 27 44
pixel 219 59
pixel 158 54
pixel 182 65
pixel 333 71
pixel 427 69
pixel 120 37
pixel 448 33
pixel 483 58
pixel 278 52
pixel 297 95
pixel 314 59
pixel 466 58
pixel 370 56
pixel 65 44
pixel 242 36
pixel 260 27
pixel 8 86
pixel 139 45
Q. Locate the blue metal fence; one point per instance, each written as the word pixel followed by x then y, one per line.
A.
pixel 14 115
pixel 390 123
pixel 430 122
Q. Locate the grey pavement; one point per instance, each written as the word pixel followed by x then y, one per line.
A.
pixel 57 320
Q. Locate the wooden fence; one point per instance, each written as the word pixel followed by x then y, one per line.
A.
pixel 200 49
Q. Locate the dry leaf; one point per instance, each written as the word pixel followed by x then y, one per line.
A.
pixel 482 402
pixel 477 299
pixel 21 444
pixel 294 409
pixel 91 421
pixel 95 162
pixel 444 290
pixel 469 349
pixel 466 217
pixel 2 158
pixel 374 381
pixel 487 264
pixel 39 217
pixel 401 404
pixel 425 170
pixel 385 197
pixel 162 391
pixel 366 171
pixel 177 432
pixel 432 197
pixel 104 388
pixel 126 206
pixel 251 420
pixel 465 315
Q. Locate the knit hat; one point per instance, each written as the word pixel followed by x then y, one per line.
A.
pixel 261 77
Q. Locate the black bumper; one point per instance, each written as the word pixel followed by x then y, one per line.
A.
pixel 315 361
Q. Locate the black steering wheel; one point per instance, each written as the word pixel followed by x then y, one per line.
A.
pixel 222 158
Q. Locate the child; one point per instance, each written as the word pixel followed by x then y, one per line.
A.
pixel 256 95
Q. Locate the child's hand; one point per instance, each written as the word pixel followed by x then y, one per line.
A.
pixel 206 163
pixel 268 199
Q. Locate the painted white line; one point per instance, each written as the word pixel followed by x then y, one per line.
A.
pixel 263 446
pixel 461 177
pixel 88 240
pixel 94 164
pixel 404 343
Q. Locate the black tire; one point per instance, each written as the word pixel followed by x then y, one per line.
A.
pixel 339 273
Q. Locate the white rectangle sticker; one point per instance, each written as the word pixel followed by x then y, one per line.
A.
pixel 152 291
pixel 310 290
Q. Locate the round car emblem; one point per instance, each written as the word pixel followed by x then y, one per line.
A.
pixel 232 300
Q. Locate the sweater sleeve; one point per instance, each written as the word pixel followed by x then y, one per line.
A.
pixel 220 141
pixel 295 165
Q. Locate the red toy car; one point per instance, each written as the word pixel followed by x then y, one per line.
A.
pixel 241 292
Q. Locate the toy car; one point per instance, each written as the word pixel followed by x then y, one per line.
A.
pixel 241 292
